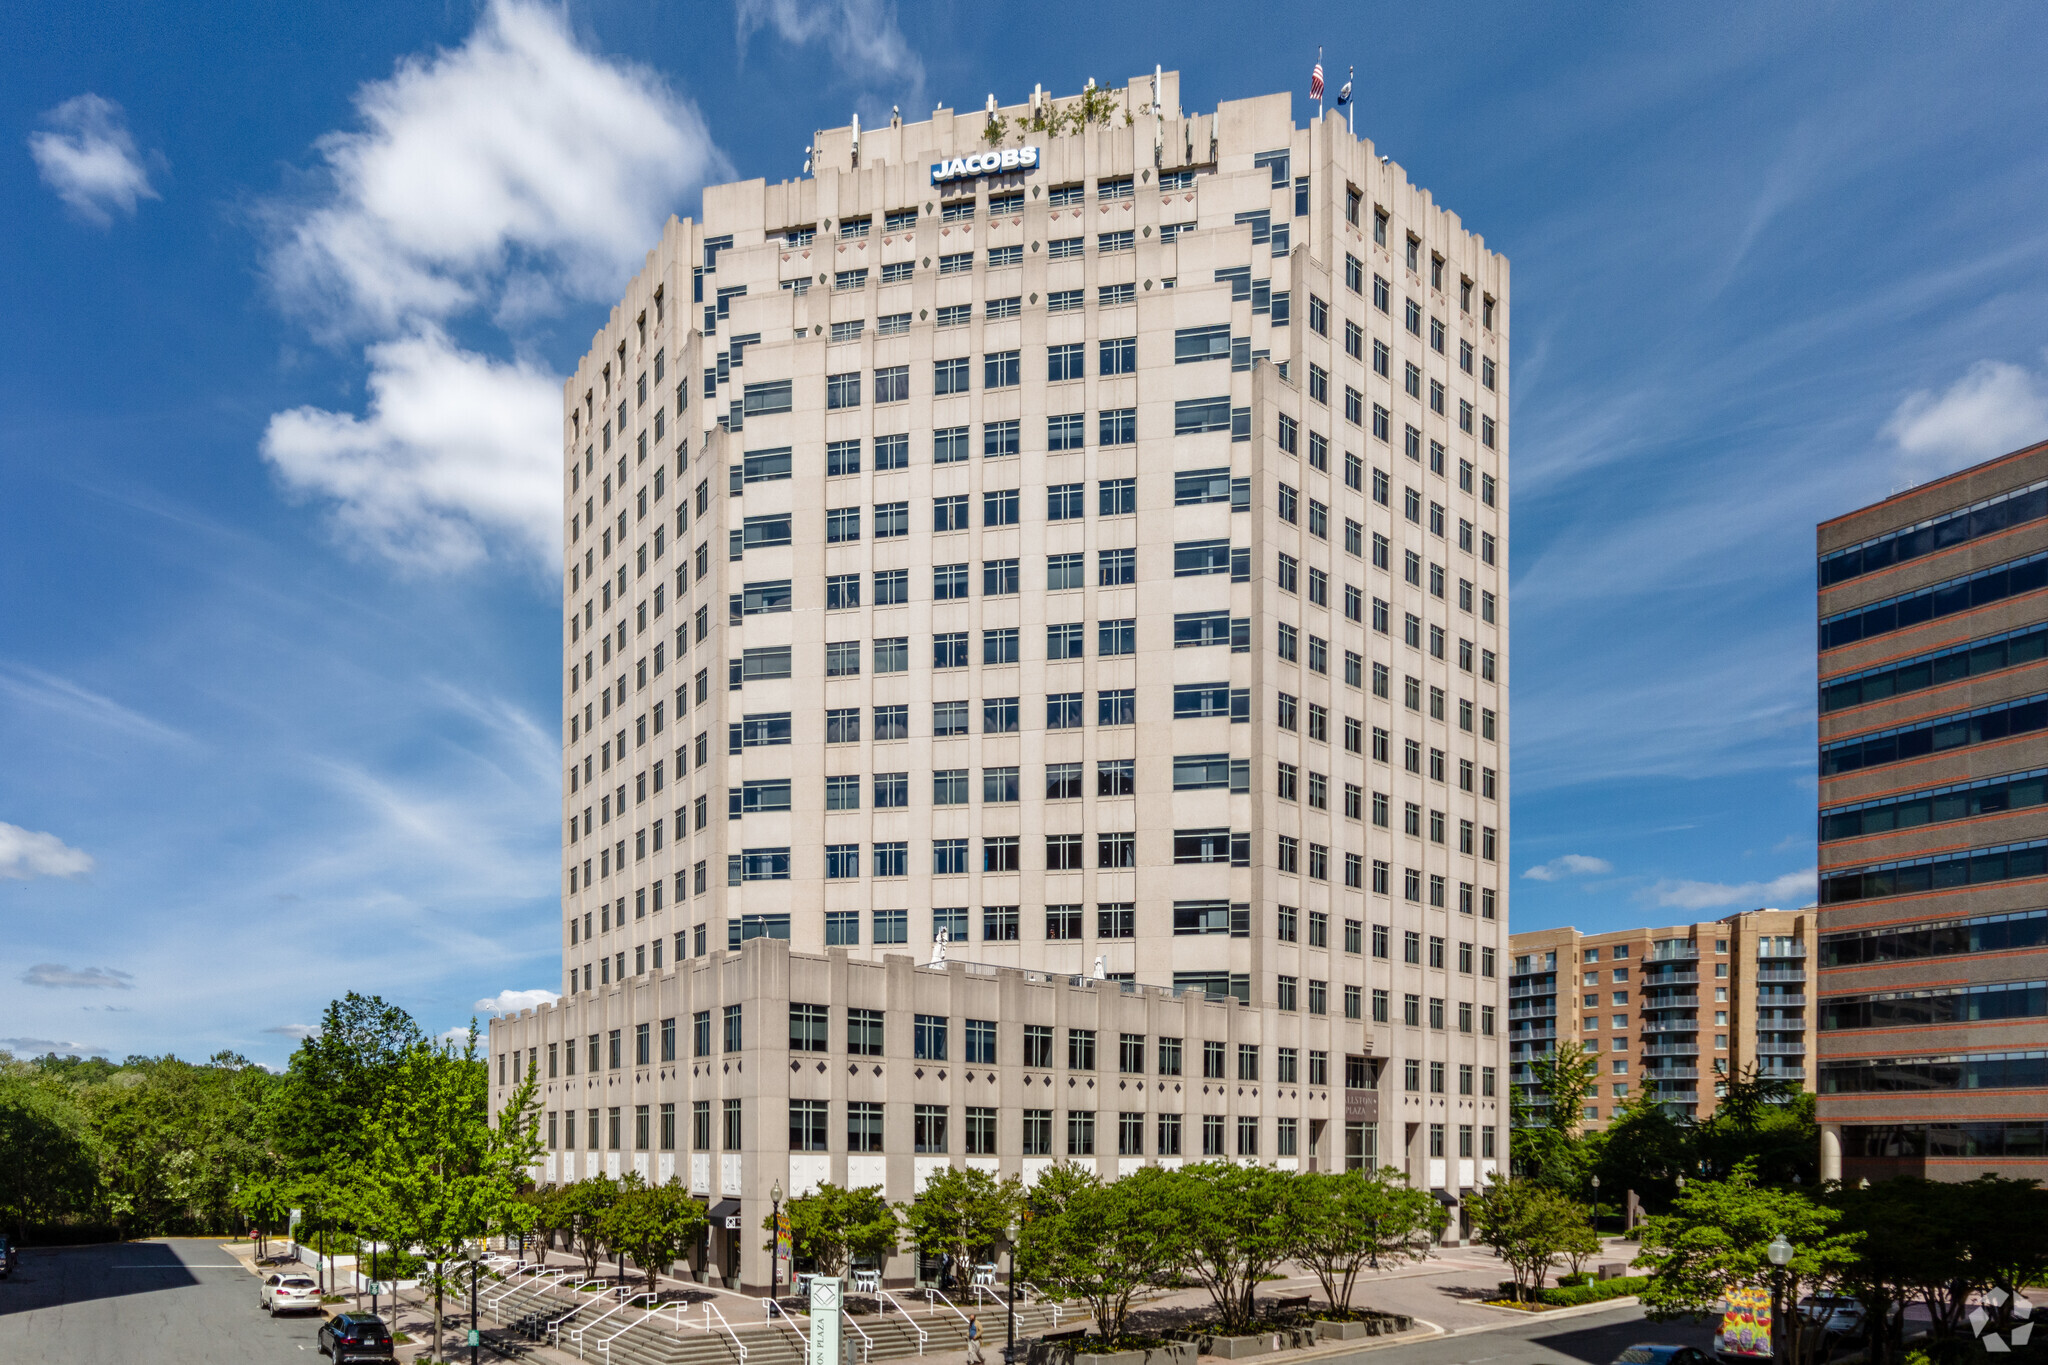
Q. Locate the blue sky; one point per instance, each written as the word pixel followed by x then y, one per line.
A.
pixel 289 288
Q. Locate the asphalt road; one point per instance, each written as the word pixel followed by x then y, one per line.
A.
pixel 170 1301
pixel 1594 1339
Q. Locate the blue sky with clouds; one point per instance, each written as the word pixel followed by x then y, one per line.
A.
pixel 289 289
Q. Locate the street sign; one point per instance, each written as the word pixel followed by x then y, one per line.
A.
pixel 823 1348
pixel 476 1338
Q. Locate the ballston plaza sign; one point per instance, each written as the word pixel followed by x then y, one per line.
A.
pixel 985 163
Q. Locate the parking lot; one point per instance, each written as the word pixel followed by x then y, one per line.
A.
pixel 170 1300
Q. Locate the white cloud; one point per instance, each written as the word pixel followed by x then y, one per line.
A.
pixel 59 977
pixel 866 44
pixel 1792 889
pixel 29 853
pixel 1994 408
pixel 458 1037
pixel 87 155
pixel 511 1002
pixel 456 446
pixel 36 1047
pixel 1570 865
pixel 517 175
pixel 297 1032
pixel 517 153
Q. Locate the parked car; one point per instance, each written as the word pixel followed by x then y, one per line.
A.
pixel 1652 1354
pixel 6 1258
pixel 285 1292
pixel 355 1336
pixel 1838 1314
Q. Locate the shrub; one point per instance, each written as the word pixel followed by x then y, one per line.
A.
pixel 1593 1292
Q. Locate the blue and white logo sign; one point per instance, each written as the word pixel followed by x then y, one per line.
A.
pixel 985 163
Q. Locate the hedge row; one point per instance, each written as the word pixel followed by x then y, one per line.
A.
pixel 1571 1297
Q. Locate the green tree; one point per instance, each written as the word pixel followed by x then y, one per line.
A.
pixel 832 1227
pixel 336 1080
pixel 1543 1141
pixel 653 1224
pixel 1643 1148
pixel 438 1171
pixel 1097 1242
pixel 1233 1225
pixel 962 1212
pixel 582 1208
pixel 1766 1123
pixel 1355 1219
pixel 1714 1240
pixel 47 1166
pixel 1527 1224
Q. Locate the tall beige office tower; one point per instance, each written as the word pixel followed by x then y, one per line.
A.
pixel 1034 667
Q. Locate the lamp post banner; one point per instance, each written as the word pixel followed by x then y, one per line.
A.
pixel 825 1309
pixel 782 1248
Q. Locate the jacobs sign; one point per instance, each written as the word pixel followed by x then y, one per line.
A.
pixel 985 163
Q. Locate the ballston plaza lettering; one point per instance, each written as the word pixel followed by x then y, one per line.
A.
pixel 985 163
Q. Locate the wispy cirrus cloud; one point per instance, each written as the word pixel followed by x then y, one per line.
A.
pixel 514 176
pixel 1569 865
pixel 866 43
pixel 1792 890
pixel 86 154
pixel 56 976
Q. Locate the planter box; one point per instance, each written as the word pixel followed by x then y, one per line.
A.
pixel 1238 1348
pixel 1062 1353
pixel 1342 1331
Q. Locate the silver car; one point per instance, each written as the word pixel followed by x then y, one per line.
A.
pixel 283 1292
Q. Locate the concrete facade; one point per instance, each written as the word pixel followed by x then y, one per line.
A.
pixel 1933 960
pixel 1101 563
pixel 1670 1014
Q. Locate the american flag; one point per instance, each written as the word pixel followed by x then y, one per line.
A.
pixel 1315 81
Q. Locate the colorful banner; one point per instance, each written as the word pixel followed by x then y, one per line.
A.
pixel 1746 1323
pixel 782 1256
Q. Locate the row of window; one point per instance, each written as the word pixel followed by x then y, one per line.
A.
pixel 2001 720
pixel 1114 850
pixel 930 1131
pixel 1973 659
pixel 1961 801
pixel 1906 1075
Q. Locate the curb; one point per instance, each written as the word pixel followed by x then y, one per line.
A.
pixel 1556 1314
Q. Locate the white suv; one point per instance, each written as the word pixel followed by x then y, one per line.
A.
pixel 281 1293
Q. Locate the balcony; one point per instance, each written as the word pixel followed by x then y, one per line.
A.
pixel 1781 1073
pixel 1529 990
pixel 1678 1001
pixel 1673 952
pixel 1532 1012
pixel 1670 1026
pixel 1672 1073
pixel 1790 950
pixel 1650 982
pixel 1674 1087
pixel 1779 1002
pixel 1531 1035
pixel 1781 1049
pixel 1781 974
pixel 1672 1050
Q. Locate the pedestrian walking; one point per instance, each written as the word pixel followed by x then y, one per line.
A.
pixel 974 1355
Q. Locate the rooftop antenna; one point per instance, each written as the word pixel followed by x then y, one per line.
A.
pixel 895 116
pixel 1101 972
pixel 856 137
pixel 807 160
pixel 939 942
pixel 1158 115
pixel 1037 96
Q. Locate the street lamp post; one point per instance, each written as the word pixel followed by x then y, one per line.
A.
pixel 774 1246
pixel 1780 1254
pixel 1010 1303
pixel 1596 1202
pixel 476 1252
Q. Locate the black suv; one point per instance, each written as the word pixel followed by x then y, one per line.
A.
pixel 355 1336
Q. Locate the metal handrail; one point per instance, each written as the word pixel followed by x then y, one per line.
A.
pixel 888 1301
pixel 1044 1297
pixel 577 1335
pixel 932 1292
pixel 511 1283
pixel 867 1343
pixel 654 1311
pixel 554 1330
pixel 538 1284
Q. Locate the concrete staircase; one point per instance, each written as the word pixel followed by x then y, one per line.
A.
pixel 631 1337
